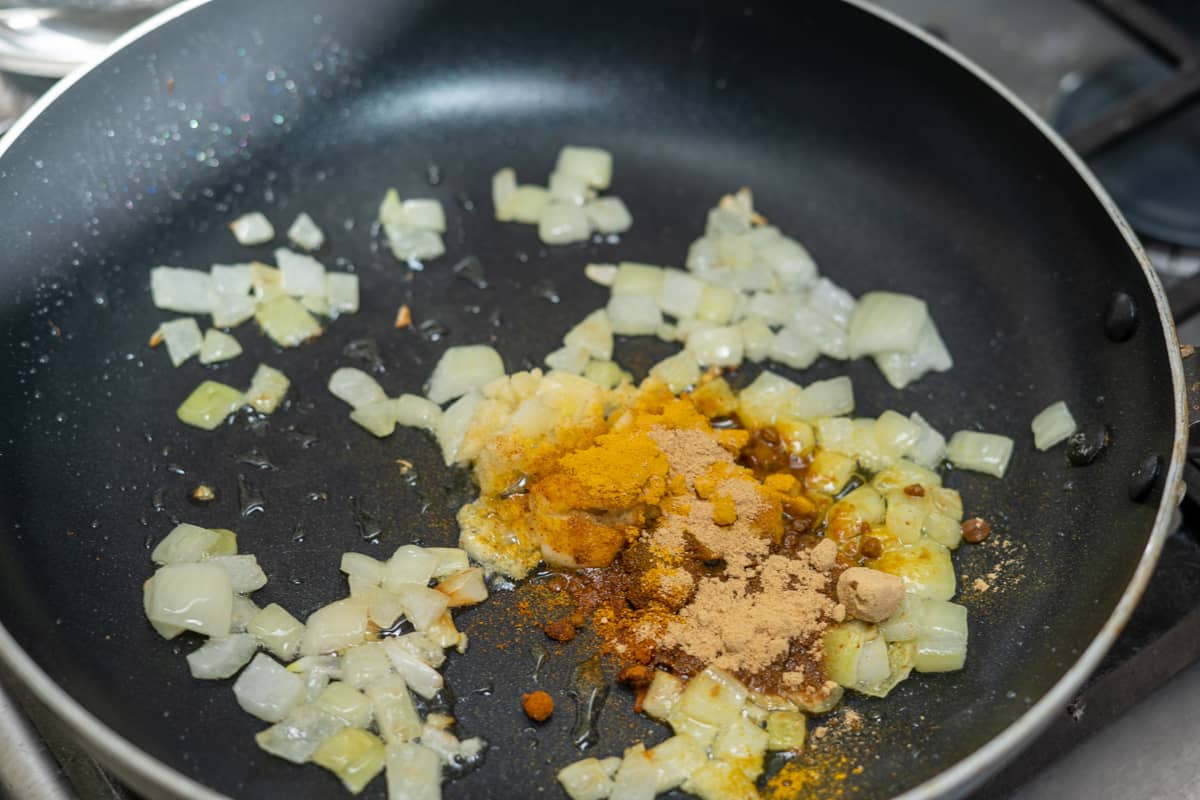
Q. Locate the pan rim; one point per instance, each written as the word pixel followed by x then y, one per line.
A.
pixel 147 773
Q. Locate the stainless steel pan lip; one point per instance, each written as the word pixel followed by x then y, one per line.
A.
pixel 156 779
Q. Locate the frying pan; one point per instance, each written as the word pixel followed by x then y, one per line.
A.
pixel 900 165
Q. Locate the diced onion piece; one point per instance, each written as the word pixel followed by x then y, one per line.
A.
pixel 413 772
pixel 679 372
pixel 365 665
pixel 454 423
pixel 904 624
pixel 633 278
pixel 602 274
pixel 924 567
pixel 218 346
pixel 930 448
pixel 298 735
pixel 793 349
pixel 702 255
pixel 636 777
pixel 743 744
pixel 1052 426
pixel 300 274
pixel 756 338
pixel 721 347
pixel 231 310
pixel 395 713
pixel 286 321
pixel 413 244
pixel 410 565
pixel 341 291
pixel 942 637
pixel 222 658
pixel 187 291
pixel 873 667
pixel 190 543
pixel 930 355
pixel 829 398
pixel 183 339
pixel 523 204
pixel 790 262
pixel 209 404
pixel 415 411
pixel 943 530
pixel 679 293
pixel 786 730
pixel 234 279
pixel 338 625
pixel 773 308
pixel 585 780
pixel 905 473
pixel 462 369
pixel 279 631
pixel 422 606
pixel 418 676
pixel 422 213
pixel 567 359
pixel 423 647
pixel 465 588
pixel 767 398
pixel 843 644
pixel 356 756
pixel 252 228
pixel 305 233
pixel 317 303
pixel 884 322
pixel 633 315
pixel 608 215
pixel 906 516
pixel 717 305
pixel 676 759
pixel 833 301
pixel 571 189
pixel 719 780
pixel 591 164
pixel 266 281
pixel 988 453
pixel 378 418
pixel 449 560
pixel 245 575
pixel 606 373
pixel 829 472
pixel 267 690
pixel 829 337
pixel 662 695
pixel 267 389
pixel 713 697
pixel 355 387
pixel 346 703
pixel 593 335
pixel 504 183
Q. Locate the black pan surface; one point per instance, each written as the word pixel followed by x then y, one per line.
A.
pixel 897 168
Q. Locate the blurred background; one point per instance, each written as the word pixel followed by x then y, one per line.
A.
pixel 1120 79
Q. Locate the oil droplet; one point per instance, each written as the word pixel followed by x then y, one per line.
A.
pixel 470 270
pixel 365 352
pixel 545 290
pixel 249 498
pixel 256 458
pixel 539 658
pixel 368 524
pixel 589 690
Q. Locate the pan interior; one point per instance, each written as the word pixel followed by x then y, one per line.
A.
pixel 895 167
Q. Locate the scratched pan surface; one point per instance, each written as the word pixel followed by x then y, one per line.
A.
pixel 897 167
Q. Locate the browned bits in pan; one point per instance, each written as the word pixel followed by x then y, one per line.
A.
pixel 914 490
pixel 560 630
pixel 637 676
pixel 975 530
pixel 870 547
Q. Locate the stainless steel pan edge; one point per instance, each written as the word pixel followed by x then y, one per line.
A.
pixel 154 779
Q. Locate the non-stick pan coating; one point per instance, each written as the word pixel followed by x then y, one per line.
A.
pixel 895 166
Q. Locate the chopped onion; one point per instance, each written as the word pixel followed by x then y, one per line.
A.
pixel 465 588
pixel 591 164
pixel 197 597
pixel 252 228
pixel 395 714
pixel 633 315
pixel 317 672
pixel 409 566
pixel 356 756
pixel 355 387
pixel 419 676
pixel 279 631
pixel 988 453
pixel 1052 426
pixel 585 780
pixel 300 274
pixel 244 610
pixel 358 564
pixel 774 308
pixel 345 702
pixel 767 399
pixel 415 411
pixel 413 772
pixel 183 339
pixel 606 373
pixel 563 223
pixel 523 204
pixel 187 292
pixel 209 404
pixel 884 322
pixel 187 544
pixel 901 368
pixel 567 359
pixel 222 658
pixel 266 281
pixel 676 759
pixel 636 777
pixel 570 189
pixel 504 183
pixel 790 262
pixel 413 244
pixel 267 389
pixel 462 369
pixel 930 448
pixel 829 398
pixel 422 605
pixel 593 335
pixel 340 624
pixel 717 305
pixel 833 301
pixel 633 278
pixel 721 347
pixel 231 310
pixel 317 303
pixel 449 560
pixel 793 349
pixel 896 433
pixel 941 637
pixel 298 735
pixel 420 213
pixel 454 423
pixel 286 321
pixel 365 664
pixel 424 648
pixel 925 568
pixel 245 574
pixel 305 233
pixel 218 346
pixel 679 293
pixel 603 274
pixel 756 338
pixel 233 279
pixel 608 215
pixel 702 255
pixel 662 695
pixel 341 291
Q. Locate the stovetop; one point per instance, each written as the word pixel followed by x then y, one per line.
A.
pixel 1073 62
